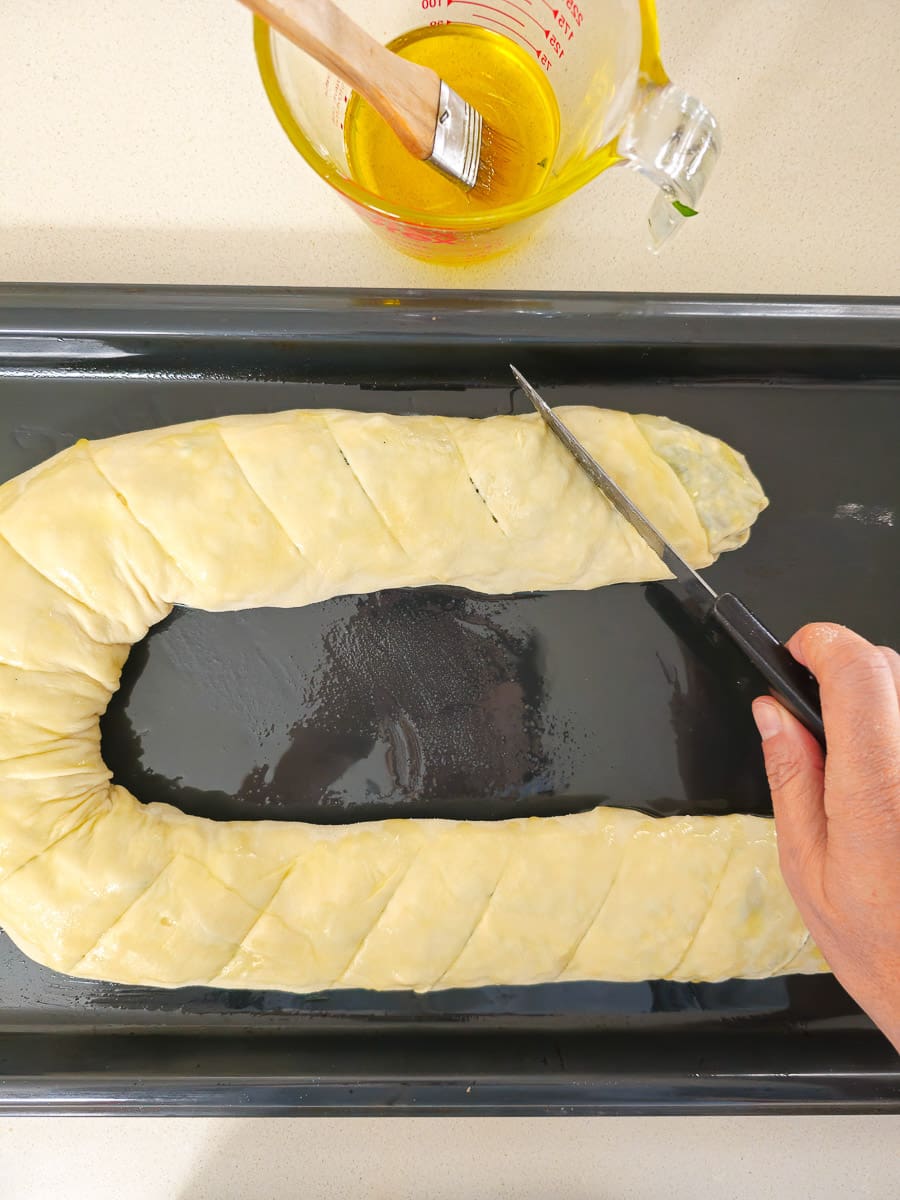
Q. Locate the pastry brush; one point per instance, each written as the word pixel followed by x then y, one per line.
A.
pixel 432 121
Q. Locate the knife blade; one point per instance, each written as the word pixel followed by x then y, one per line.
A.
pixel 789 681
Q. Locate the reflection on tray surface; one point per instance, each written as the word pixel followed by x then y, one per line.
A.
pixel 435 702
pixel 369 706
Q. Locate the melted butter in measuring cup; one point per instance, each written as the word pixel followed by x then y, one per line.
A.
pixel 507 86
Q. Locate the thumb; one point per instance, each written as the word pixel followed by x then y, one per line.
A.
pixel 795 767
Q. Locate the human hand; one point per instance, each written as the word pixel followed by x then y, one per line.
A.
pixel 838 814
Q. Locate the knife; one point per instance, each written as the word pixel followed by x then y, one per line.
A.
pixel 789 681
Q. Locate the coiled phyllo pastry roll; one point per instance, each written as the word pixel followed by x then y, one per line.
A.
pixel 101 541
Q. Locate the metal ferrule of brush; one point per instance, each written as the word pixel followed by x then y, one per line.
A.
pixel 457 138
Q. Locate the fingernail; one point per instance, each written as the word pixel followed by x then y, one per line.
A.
pixel 767 718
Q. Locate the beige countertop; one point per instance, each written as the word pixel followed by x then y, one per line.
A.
pixel 580 1158
pixel 136 145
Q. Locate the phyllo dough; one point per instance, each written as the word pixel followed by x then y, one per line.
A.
pixel 99 543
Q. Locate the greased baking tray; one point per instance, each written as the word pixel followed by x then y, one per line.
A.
pixel 442 703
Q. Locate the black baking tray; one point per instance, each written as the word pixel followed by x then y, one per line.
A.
pixel 440 702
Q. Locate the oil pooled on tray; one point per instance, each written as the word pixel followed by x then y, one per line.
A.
pixel 400 703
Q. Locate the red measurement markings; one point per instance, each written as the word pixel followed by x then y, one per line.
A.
pixel 560 19
pixel 508 15
pixel 477 4
pixel 554 41
pixel 514 32
pixel 577 14
pixel 524 13
pixel 566 28
pixel 411 233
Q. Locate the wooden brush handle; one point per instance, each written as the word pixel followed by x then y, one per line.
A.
pixel 404 93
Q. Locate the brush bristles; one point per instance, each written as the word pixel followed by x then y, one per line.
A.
pixel 467 149
pixel 496 151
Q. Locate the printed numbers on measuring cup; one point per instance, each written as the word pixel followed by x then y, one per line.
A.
pixel 565 26
pixel 556 38
pixel 577 14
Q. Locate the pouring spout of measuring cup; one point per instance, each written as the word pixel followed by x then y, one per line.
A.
pixel 674 140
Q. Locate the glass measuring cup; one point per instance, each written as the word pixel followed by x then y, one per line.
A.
pixel 616 107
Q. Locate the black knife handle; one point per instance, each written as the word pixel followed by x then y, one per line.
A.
pixel 790 682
